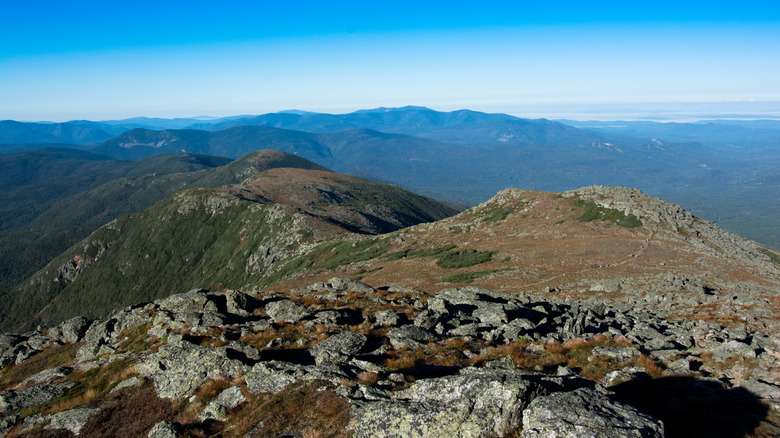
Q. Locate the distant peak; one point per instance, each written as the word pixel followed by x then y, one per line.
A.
pixel 296 112
pixel 383 109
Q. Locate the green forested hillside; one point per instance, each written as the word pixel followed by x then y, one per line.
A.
pixel 54 198
pixel 227 237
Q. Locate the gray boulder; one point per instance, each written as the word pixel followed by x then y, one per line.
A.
pixel 239 303
pixel 766 391
pixel 586 413
pixel 482 403
pixel 273 376
pixel 218 409
pixel 127 383
pixel 96 340
pixel 72 420
pixel 468 296
pixel 165 429
pixel 49 375
pixel 727 349
pixel 491 313
pixel 410 335
pixel 341 284
pixel 8 340
pixel 428 319
pixel 624 375
pixel 286 311
pixel 387 318
pixel 129 319
pixel 7 423
pixel 180 367
pixel 338 348
pixel 12 400
pixel 72 330
pixel 196 300
pixel 17 354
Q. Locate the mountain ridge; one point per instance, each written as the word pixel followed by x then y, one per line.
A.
pixel 615 311
pixel 256 222
pixel 43 220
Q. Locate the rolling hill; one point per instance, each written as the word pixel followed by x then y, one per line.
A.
pixel 13 132
pixel 190 237
pixel 54 198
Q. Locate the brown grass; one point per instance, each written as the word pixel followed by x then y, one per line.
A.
pixel 211 388
pixel 403 358
pixel 368 377
pixel 653 368
pixel 82 399
pixel 220 342
pixel 314 302
pixel 129 414
pixel 554 347
pixel 91 386
pixel 289 334
pixel 301 408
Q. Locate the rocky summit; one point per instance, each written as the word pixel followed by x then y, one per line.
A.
pixel 598 312
pixel 342 358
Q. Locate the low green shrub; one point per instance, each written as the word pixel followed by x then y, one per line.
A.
pixel 464 258
pixel 591 212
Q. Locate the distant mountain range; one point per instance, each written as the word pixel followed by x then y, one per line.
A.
pixel 15 133
pixel 720 170
pixel 227 289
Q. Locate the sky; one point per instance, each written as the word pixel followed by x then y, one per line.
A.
pixel 71 60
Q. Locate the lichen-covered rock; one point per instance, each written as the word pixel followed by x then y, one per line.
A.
pixel 8 340
pixel 11 400
pixel 72 420
pixel 387 318
pixel 179 367
pixel 17 354
pixel 129 319
pixel 614 378
pixel 165 429
pixel 196 300
pixel 239 303
pixel 33 420
pixel 409 335
pixel 49 375
pixel 74 329
pixel 766 391
pixel 218 409
pixel 586 413
pixel 96 340
pixel 7 423
pixel 286 311
pixel 127 383
pixel 339 347
pixel 482 403
pixel 733 348
pixel 273 376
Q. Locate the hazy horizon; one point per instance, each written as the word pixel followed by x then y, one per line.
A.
pixel 669 112
pixel 73 60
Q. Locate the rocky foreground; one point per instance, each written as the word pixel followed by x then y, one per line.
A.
pixel 341 358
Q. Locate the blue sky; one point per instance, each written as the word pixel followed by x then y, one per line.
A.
pixel 65 60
